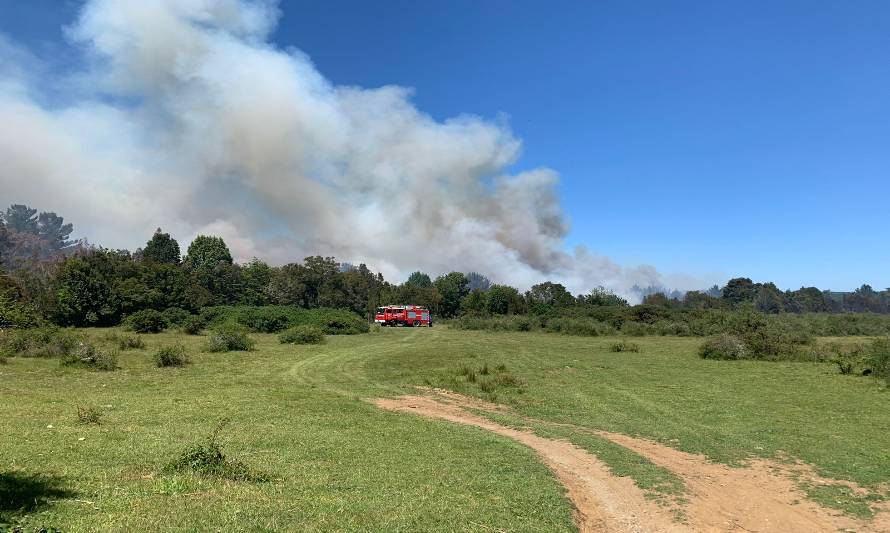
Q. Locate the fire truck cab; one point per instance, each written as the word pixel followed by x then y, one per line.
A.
pixel 403 315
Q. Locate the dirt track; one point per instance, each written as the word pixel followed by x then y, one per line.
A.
pixel 762 497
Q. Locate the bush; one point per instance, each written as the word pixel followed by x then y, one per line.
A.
pixel 130 342
pixel 16 315
pixel 207 459
pixel 48 341
pixel 147 321
pixel 582 326
pixel 624 346
pixel 229 337
pixel 302 335
pixel 878 360
pixel 171 356
pixel 276 318
pixel 193 325
pixel 88 415
pixel 723 347
pixel 176 316
pixel 88 356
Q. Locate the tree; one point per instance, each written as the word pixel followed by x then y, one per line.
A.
pixel 54 232
pixel 162 248
pixel 420 280
pixel 21 219
pixel 476 281
pixel 452 288
pixel 206 250
pixel 769 299
pixel 475 303
pixel 658 299
pixel 739 290
pixel 504 300
pixel 545 296
pixel 603 297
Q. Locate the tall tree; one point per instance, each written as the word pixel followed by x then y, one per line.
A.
pixel 477 281
pixel 420 280
pixel 162 248
pixel 545 296
pixel 206 250
pixel 452 288
pixel 53 230
pixel 21 219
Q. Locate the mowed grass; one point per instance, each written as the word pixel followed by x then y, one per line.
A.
pixel 298 414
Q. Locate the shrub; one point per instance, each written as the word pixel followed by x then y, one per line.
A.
pixel 171 356
pixel 585 327
pixel 624 346
pixel 88 415
pixel 130 342
pixel 229 337
pixel 193 325
pixel 844 367
pixel 147 321
pixel 723 347
pixel 48 341
pixel 3 360
pixel 88 356
pixel 302 335
pixel 878 360
pixel 175 316
pixel 276 318
pixel 207 459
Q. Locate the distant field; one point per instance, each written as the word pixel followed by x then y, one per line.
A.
pixel 301 415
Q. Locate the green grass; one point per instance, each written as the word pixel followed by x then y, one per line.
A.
pixel 334 462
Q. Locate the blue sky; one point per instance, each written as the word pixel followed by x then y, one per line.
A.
pixel 726 138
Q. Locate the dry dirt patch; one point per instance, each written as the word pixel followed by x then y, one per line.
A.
pixel 761 497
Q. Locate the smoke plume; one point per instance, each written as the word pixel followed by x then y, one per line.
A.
pixel 188 118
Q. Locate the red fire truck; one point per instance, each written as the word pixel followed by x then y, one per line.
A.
pixel 403 315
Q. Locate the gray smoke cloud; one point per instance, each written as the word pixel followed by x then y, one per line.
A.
pixel 188 118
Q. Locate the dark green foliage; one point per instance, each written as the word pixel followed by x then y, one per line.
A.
pixel 162 248
pixel 624 346
pixel 504 300
pixel 844 366
pixel 207 251
pixel 586 327
pixel 176 316
pixel 91 357
pixel 193 325
pixel 452 288
pixel 14 314
pixel 229 337
pixel 147 321
pixel 302 335
pixel 878 360
pixel 421 280
pixel 130 342
pixel 207 459
pixel 272 319
pixel 543 297
pixel 48 341
pixel 723 347
pixel 171 356
pixel 89 415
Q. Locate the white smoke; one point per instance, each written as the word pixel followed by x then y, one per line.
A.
pixel 189 119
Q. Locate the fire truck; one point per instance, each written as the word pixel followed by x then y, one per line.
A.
pixel 403 315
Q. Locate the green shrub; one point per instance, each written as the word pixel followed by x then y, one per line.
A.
pixel 624 346
pixel 207 459
pixel 582 326
pixel 16 315
pixel 47 341
pixel 89 356
pixel 229 337
pixel 130 342
pixel 193 325
pixel 171 356
pixel 276 318
pixel 302 335
pixel 175 316
pixel 723 347
pixel 147 321
pixel 878 360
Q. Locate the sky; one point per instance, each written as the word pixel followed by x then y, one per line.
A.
pixel 711 139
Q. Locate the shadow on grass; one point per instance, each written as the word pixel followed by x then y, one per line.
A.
pixel 22 493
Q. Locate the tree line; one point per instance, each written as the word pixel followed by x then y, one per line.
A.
pixel 45 275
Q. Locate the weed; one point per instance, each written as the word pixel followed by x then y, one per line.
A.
pixel 624 346
pixel 471 376
pixel 91 357
pixel 302 335
pixel 207 459
pixel 131 342
pixel 487 386
pixel 484 370
pixel 501 367
pixel 88 415
pixel 845 367
pixel 171 356
pixel 3 360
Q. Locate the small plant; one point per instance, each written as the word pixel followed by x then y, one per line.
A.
pixel 878 360
pixel 130 342
pixel 471 376
pixel 207 459
pixel 484 370
pixel 3 360
pixel 501 367
pixel 302 335
pixel 147 321
pixel 624 346
pixel 193 325
pixel 91 357
pixel 229 337
pixel 88 415
pixel 844 367
pixel 487 386
pixel 464 371
pixel 171 356
pixel 47 341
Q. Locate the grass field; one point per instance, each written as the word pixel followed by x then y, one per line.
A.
pixel 299 415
